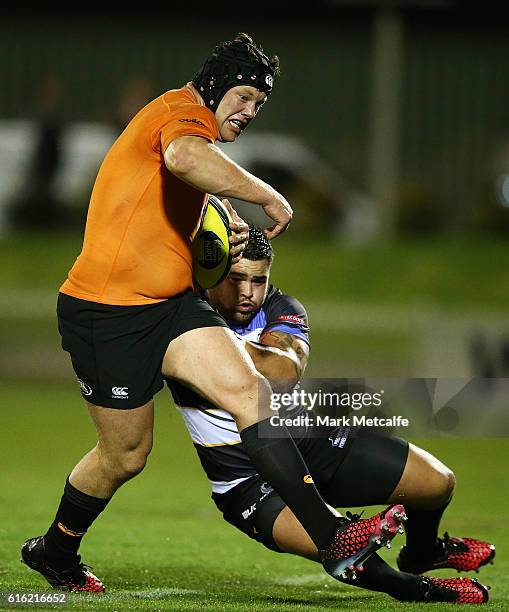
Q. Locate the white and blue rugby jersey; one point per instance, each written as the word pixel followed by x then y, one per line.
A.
pixel 213 430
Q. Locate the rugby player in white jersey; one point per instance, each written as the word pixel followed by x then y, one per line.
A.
pixel 350 468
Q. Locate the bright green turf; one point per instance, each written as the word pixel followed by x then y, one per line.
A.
pixel 419 283
pixel 161 545
pixel 454 273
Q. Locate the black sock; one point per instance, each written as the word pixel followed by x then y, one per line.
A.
pixel 76 512
pixel 422 532
pixel 279 462
pixel 379 576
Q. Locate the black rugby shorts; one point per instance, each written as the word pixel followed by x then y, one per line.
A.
pixel 365 474
pixel 117 351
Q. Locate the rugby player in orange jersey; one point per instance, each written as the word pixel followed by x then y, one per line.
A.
pixel 128 315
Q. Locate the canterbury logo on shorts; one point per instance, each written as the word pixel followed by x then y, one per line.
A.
pixel 120 392
pixel 308 479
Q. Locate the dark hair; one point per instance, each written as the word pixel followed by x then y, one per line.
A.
pixel 236 62
pixel 258 246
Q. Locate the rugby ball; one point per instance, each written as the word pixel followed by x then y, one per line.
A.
pixel 211 249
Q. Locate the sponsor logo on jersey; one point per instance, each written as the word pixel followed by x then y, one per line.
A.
pixel 292 319
pixel 86 390
pixel 308 479
pixel 120 392
pixel 197 121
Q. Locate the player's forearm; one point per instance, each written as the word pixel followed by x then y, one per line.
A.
pixel 205 167
pixel 281 367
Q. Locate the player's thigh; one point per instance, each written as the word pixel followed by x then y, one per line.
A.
pixel 257 510
pixel 253 507
pixel 291 537
pixel 124 431
pixel 425 483
pixel 368 473
pixel 213 362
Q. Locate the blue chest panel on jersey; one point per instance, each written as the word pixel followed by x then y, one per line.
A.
pixel 255 327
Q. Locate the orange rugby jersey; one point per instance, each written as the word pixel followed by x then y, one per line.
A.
pixel 141 218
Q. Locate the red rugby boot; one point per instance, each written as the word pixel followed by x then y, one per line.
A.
pixel 357 539
pixel 462 554
pixel 455 590
pixel 76 578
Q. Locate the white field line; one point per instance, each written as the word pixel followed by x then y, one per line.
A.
pixel 398 319
pixel 161 593
pixel 317 579
pixel 34 304
pixel 323 315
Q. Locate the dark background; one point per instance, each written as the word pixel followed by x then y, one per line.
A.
pixel 452 106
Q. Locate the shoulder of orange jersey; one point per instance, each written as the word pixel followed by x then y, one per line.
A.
pixel 188 117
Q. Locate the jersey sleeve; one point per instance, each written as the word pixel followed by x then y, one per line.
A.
pixel 286 314
pixel 187 119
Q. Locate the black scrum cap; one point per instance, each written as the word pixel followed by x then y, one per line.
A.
pixel 233 63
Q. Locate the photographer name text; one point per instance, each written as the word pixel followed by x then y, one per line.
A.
pixel 308 420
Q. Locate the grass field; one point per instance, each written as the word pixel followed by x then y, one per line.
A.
pixel 162 545
pixel 443 272
pixel 402 309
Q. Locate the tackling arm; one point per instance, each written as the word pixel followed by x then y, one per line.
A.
pixel 280 357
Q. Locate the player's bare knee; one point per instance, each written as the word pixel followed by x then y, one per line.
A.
pixel 124 464
pixel 449 484
pixel 443 482
pixel 250 394
pixel 132 464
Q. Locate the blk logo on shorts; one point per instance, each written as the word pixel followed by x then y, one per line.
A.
pixel 120 392
pixel 247 513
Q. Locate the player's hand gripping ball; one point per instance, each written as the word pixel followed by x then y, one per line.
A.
pixel 211 248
